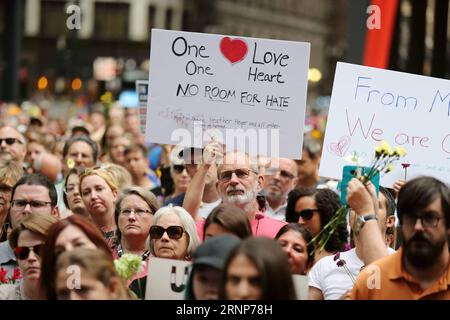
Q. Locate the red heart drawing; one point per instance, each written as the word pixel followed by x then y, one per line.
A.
pixel 234 50
pixel 340 148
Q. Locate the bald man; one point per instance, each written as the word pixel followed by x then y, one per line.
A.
pixel 280 182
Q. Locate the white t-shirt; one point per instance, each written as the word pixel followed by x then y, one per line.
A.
pixel 332 280
pixel 206 208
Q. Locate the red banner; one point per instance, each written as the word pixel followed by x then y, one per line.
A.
pixel 378 40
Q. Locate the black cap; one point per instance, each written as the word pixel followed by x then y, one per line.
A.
pixel 214 251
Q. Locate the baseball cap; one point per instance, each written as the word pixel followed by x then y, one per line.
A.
pixel 214 251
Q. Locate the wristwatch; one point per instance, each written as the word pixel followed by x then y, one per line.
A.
pixel 361 220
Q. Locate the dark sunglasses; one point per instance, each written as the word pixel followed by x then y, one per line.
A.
pixel 10 141
pixel 22 253
pixel 306 214
pixel 178 168
pixel 174 232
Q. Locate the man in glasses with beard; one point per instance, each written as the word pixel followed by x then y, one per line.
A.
pixel 420 269
pixel 238 184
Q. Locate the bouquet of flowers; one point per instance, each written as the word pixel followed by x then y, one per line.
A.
pixel 383 163
pixel 129 265
pixel 4 279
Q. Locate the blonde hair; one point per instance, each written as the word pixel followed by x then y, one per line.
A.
pixel 103 173
pixel 123 177
pixel 97 263
pixel 36 223
pixel 10 171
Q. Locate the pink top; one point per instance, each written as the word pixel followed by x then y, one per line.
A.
pixel 262 225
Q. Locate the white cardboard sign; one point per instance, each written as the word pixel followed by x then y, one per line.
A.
pixel 203 84
pixel 167 279
pixel 142 93
pixel 369 105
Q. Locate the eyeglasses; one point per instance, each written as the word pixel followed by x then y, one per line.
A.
pixel 70 188
pixel 178 168
pixel 22 253
pixel 35 204
pixel 428 221
pixel 10 141
pixel 174 232
pixel 240 174
pixel 139 212
pixel 306 214
pixel 4 188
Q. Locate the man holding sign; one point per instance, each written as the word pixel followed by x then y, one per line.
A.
pixel 247 93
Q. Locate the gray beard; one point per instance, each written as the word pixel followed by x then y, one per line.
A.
pixel 244 201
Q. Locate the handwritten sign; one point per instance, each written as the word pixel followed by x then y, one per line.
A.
pixel 223 87
pixel 142 93
pixel 167 279
pixel 369 105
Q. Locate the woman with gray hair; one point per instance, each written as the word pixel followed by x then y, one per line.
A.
pixel 173 235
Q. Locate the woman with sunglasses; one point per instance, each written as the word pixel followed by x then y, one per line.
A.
pixel 314 208
pixel 173 235
pixel 65 235
pixel 27 240
pixel 295 241
pixel 99 191
pixel 71 196
pixel 134 213
pixel 181 180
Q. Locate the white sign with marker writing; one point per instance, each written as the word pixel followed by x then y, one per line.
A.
pixel 369 105
pixel 206 86
pixel 167 279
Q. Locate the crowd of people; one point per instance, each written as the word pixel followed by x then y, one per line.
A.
pixel 85 192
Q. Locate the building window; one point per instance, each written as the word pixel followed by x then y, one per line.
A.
pixel 53 18
pixel 169 15
pixel 111 20
pixel 2 18
pixel 152 17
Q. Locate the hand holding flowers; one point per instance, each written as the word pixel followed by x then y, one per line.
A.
pixel 383 163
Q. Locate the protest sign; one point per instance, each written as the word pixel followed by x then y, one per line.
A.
pixel 167 279
pixel 142 93
pixel 369 105
pixel 247 93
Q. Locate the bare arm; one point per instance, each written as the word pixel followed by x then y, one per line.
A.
pixel 362 199
pixel 194 192
pixel 314 293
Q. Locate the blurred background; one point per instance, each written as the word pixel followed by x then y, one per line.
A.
pixel 65 72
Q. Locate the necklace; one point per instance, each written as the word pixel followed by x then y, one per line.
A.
pixel 144 256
